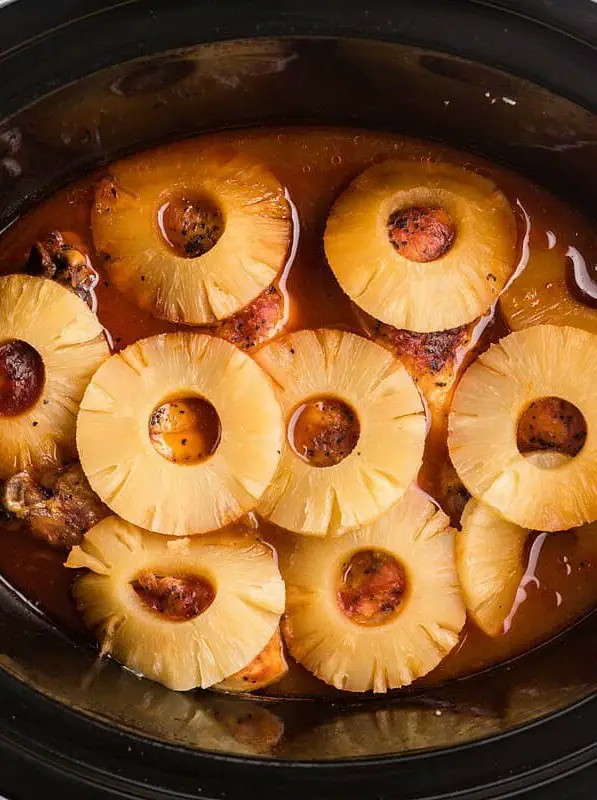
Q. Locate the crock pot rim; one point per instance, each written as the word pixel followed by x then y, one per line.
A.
pixel 574 84
pixel 356 773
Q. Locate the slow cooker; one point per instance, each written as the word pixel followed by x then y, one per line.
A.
pixel 514 81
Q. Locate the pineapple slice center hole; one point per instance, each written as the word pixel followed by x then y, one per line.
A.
pixel 421 234
pixel 185 431
pixel 553 424
pixel 371 587
pixel 190 226
pixel 22 377
pixel 176 598
pixel 323 431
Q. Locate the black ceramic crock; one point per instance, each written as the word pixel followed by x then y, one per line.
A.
pixel 83 80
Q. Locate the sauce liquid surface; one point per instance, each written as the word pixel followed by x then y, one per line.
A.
pixel 315 165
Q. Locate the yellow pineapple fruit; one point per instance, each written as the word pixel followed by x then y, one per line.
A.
pixel 50 346
pixel 379 607
pixel 355 431
pixel 422 245
pixel 490 557
pixel 526 368
pixel 490 563
pixel 541 294
pixel 184 612
pixel 191 234
pixel 178 477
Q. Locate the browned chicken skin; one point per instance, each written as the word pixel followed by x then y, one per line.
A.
pixel 177 599
pixel 255 324
pixel 60 260
pixel 59 510
pixel 431 358
pixel 266 668
pixel 372 587
pixel 421 234
pixel 429 353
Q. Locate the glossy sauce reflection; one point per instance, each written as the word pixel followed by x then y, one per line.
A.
pixel 315 165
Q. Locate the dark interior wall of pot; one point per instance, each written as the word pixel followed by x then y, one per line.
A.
pixel 298 80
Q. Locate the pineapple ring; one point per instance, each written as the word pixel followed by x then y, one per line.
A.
pixel 70 342
pixel 357 657
pixel 489 557
pixel 248 255
pixel 201 651
pixel 146 488
pixel 331 500
pixel 472 266
pixel 540 295
pixel 540 362
pixel 489 561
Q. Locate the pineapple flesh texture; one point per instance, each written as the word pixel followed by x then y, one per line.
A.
pixel 142 486
pixel 490 563
pixel 540 295
pixel 447 292
pixel 182 655
pixel 542 361
pixel 360 658
pixel 207 288
pixel 490 557
pixel 72 345
pixel 332 500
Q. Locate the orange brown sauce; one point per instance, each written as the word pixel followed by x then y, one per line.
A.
pixel 315 165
